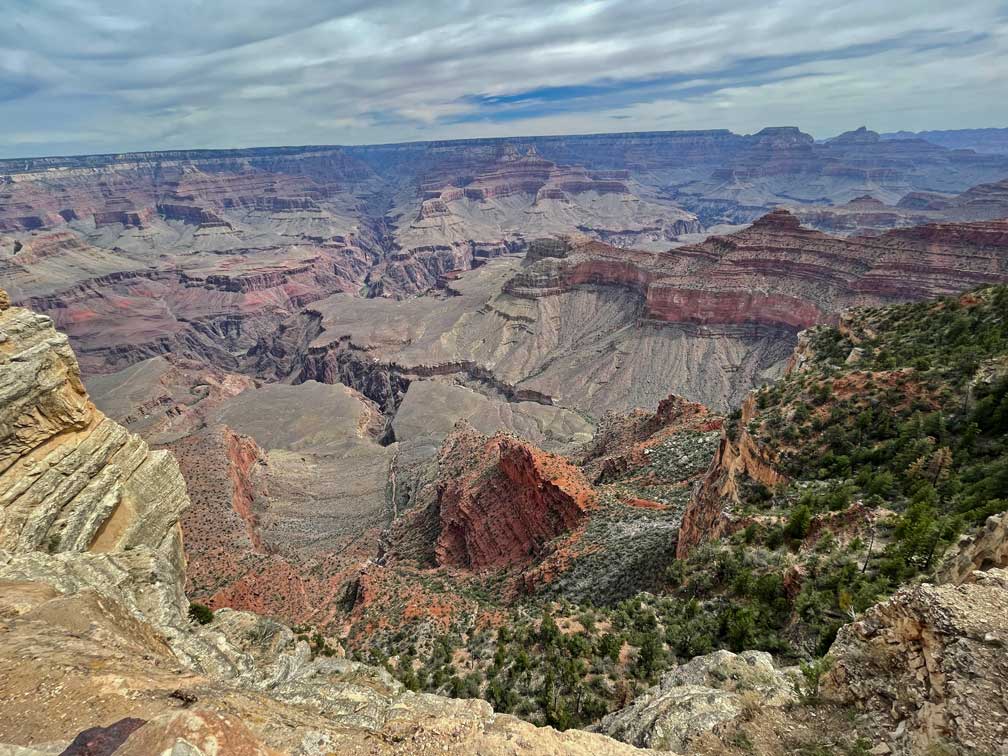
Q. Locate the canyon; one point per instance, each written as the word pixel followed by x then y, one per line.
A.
pixel 346 395
pixel 92 574
pixel 93 578
pixel 306 417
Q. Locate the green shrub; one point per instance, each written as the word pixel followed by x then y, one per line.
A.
pixel 201 613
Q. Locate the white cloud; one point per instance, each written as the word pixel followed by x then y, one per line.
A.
pixel 79 75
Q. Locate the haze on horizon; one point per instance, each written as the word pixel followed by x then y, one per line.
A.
pixel 83 76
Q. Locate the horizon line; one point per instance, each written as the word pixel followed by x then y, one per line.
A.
pixel 462 140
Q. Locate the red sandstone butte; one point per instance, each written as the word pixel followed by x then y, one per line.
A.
pixel 501 499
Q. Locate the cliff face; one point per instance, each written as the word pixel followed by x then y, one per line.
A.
pixel 189 187
pixel 707 516
pixel 228 244
pixel 589 326
pixel 476 205
pixel 92 609
pixel 411 212
pixel 501 500
pixel 119 308
pixel 776 273
pixel 72 480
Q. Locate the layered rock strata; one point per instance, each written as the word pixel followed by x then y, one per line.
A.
pixel 863 215
pixel 73 480
pixel 776 273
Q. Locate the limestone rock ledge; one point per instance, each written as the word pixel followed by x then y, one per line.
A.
pixel 703 695
pixel 71 479
pixel 95 642
pixel 76 661
pixel 929 667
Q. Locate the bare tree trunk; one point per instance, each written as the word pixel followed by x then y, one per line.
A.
pixel 871 543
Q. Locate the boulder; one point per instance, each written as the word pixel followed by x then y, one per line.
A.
pixel 703 695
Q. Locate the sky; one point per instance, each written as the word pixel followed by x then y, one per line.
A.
pixel 85 76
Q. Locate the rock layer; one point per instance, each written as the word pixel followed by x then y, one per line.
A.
pixel 776 273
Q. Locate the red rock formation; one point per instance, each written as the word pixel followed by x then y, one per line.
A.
pixel 982 202
pixel 707 516
pixel 937 259
pixel 501 500
pixel 193 214
pixel 860 215
pixel 137 218
pixel 242 455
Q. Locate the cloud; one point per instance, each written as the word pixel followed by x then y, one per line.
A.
pixel 113 75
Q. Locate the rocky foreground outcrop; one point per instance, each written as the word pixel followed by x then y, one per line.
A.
pixel 94 637
pixel 705 694
pixel 71 479
pixel 929 667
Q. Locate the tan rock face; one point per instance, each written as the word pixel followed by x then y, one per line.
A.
pixel 194 733
pixel 986 548
pixel 71 480
pixel 929 666
pixel 101 666
pixel 706 693
pixel 42 392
